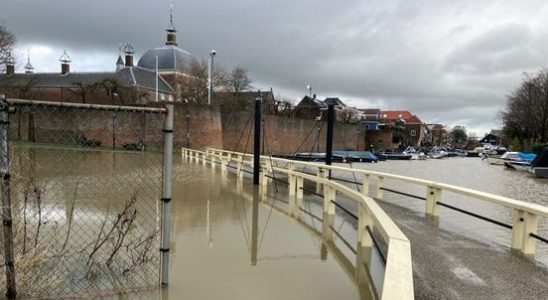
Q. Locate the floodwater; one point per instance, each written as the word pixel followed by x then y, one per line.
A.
pixel 227 245
pixel 476 174
pixel 66 203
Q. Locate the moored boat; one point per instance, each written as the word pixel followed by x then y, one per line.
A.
pixel 523 163
pixel 539 166
pixel 355 156
pixel 499 159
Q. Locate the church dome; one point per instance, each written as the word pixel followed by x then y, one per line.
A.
pixel 170 59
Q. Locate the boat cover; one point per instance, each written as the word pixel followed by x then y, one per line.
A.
pixel 355 154
pixel 527 156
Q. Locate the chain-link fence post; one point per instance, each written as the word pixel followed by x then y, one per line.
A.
pixel 166 192
pixel 6 201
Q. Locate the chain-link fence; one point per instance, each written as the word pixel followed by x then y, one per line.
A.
pixel 85 184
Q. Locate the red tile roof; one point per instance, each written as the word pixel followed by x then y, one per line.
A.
pixel 394 115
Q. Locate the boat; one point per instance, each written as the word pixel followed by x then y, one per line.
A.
pixel 523 163
pixel 338 156
pixel 416 154
pixel 398 156
pixel 355 156
pixel 539 166
pixel 438 152
pixel 476 152
pixel 518 165
pixel 499 159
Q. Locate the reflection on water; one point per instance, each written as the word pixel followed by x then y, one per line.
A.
pixel 227 245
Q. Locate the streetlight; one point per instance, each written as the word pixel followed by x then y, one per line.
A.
pixel 309 88
pixel 210 75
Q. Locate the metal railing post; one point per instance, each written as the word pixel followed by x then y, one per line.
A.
pixel 379 191
pixel 299 197
pixel 365 188
pixel 517 229
pixel 365 245
pixel 529 227
pixel 166 192
pixel 264 184
pixel 11 291
pixel 433 196
pixel 329 195
pixel 292 178
pixel 320 174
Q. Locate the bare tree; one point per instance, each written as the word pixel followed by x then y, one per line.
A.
pixel 7 42
pixel 193 85
pixel 526 113
pixel 83 90
pixel 239 80
pixel 347 115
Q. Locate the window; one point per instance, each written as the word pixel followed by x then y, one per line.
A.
pixel 413 132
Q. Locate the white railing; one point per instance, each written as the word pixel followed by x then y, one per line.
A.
pixel 525 215
pixel 397 280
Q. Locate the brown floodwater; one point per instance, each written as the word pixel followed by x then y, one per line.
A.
pixel 213 253
pixel 222 247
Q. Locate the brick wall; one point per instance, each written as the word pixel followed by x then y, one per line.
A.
pixel 64 125
pixel 286 135
pixel 196 126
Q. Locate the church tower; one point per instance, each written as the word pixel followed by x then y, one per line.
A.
pixel 29 69
pixel 171 31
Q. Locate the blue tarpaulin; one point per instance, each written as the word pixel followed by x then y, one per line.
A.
pixel 527 156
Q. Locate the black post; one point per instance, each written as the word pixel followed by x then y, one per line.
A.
pixel 257 139
pixel 7 220
pixel 329 142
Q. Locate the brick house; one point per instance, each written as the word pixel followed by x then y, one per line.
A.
pixel 413 131
pixel 438 135
pixel 312 107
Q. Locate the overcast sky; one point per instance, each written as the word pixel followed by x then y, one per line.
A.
pixel 447 61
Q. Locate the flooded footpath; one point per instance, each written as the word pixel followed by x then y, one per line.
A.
pixel 220 251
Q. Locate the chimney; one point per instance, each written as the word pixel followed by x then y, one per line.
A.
pixel 314 96
pixel 65 63
pixel 10 64
pixel 129 51
pixel 10 69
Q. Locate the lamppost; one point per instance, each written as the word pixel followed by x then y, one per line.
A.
pixel 210 76
pixel 309 88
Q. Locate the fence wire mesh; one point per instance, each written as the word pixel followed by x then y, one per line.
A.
pixel 85 189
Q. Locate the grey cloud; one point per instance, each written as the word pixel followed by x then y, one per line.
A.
pixel 449 61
